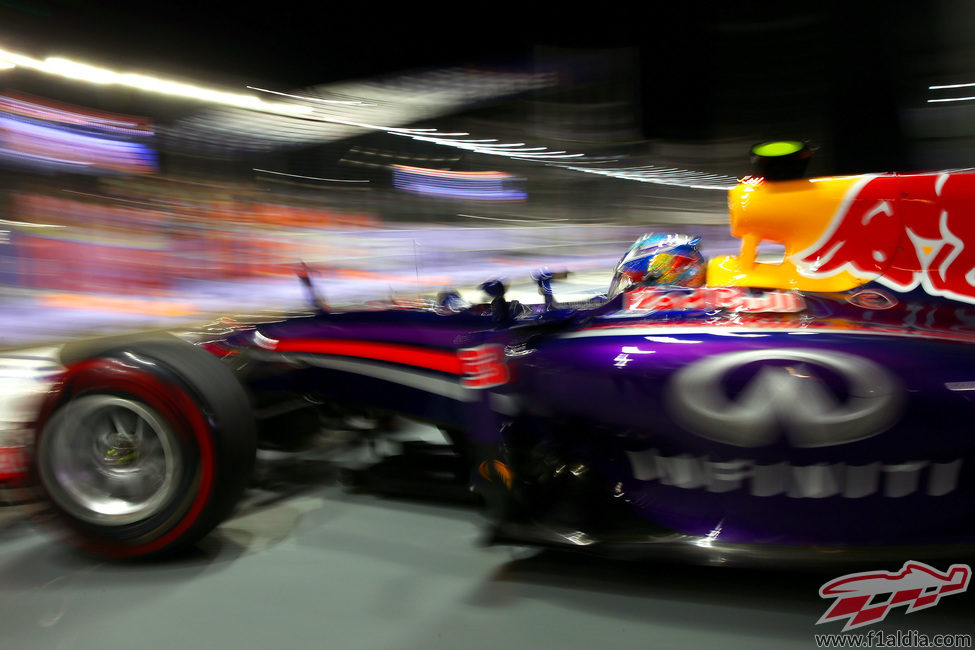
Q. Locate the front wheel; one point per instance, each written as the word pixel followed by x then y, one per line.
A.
pixel 143 449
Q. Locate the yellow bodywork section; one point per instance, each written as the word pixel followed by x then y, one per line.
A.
pixel 795 214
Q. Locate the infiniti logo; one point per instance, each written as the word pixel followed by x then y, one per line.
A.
pixel 785 397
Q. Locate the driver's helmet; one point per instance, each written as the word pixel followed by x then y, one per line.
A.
pixel 660 259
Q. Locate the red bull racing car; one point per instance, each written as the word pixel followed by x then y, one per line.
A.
pixel 730 407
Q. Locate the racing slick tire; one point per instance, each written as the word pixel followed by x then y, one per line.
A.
pixel 143 449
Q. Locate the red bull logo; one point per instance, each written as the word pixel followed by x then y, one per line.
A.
pixel 653 299
pixel 903 231
pixel 866 598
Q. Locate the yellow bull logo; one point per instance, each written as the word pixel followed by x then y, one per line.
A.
pixel 903 231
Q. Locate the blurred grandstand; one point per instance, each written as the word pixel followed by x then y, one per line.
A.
pixel 400 184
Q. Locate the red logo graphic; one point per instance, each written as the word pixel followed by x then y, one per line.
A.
pixel 866 598
pixel 711 298
pixel 903 231
pixel 483 366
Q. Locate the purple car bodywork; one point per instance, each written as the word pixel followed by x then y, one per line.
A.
pixel 827 423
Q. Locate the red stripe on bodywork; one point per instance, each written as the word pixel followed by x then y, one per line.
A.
pixel 410 355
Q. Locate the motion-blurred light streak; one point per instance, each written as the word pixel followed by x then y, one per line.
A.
pixel 951 99
pixel 663 176
pixel 946 86
pixel 311 99
pixel 93 74
pixel 311 178
pixel 951 87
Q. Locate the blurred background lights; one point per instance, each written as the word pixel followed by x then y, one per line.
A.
pixel 45 135
pixel 497 186
pixel 353 154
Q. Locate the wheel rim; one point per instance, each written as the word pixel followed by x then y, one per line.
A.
pixel 109 460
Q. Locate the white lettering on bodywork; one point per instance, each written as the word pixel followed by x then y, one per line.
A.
pixel 816 481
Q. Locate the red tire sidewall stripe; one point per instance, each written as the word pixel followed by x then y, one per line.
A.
pixel 172 402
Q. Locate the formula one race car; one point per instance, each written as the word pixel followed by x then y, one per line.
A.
pixel 728 407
